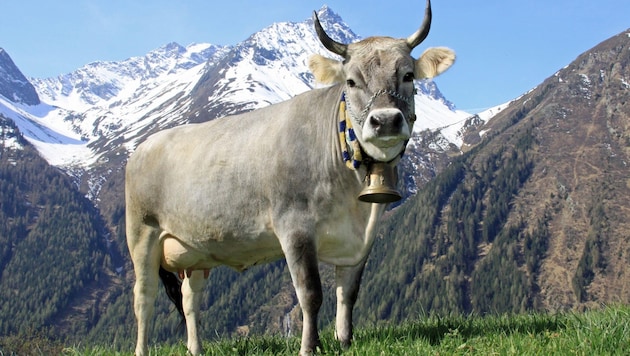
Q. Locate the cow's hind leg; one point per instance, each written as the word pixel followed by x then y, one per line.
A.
pixel 192 290
pixel 144 247
pixel 301 256
pixel 347 283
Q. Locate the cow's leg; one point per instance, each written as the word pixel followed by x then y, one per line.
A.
pixel 347 280
pixel 144 248
pixel 192 289
pixel 301 255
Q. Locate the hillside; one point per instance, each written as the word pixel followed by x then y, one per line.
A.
pixel 526 211
pixel 51 244
pixel 535 216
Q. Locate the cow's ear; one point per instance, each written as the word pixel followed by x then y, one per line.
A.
pixel 326 70
pixel 434 61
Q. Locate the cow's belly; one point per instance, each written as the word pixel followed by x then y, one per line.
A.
pixel 178 255
pixel 343 237
pixel 337 247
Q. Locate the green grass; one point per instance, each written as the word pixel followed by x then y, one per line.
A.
pixel 596 332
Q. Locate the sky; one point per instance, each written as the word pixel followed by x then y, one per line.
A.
pixel 504 47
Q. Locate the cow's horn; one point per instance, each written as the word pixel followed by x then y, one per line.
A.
pixel 423 31
pixel 329 43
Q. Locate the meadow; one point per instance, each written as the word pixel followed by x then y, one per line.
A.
pixel 604 331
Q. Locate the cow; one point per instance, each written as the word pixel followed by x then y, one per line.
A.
pixel 280 181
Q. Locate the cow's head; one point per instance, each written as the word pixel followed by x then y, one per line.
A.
pixel 378 73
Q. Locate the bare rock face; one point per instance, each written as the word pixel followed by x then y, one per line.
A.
pixel 13 84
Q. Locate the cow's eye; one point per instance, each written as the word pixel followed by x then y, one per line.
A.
pixel 408 77
pixel 351 83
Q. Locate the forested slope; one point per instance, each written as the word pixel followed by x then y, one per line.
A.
pixel 51 243
pixel 533 217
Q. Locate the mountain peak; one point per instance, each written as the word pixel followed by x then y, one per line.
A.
pixel 13 84
pixel 327 13
pixel 334 25
pixel 170 49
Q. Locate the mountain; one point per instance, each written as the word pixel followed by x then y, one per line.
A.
pixel 99 113
pixel 520 208
pixel 534 216
pixel 88 121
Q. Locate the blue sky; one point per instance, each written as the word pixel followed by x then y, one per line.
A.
pixel 504 47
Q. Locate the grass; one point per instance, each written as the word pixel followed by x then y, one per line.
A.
pixel 596 332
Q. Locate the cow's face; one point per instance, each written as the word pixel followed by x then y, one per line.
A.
pixel 378 73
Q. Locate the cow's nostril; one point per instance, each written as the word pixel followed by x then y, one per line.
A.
pixel 375 121
pixel 393 121
pixel 397 121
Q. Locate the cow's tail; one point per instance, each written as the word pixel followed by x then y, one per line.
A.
pixel 173 287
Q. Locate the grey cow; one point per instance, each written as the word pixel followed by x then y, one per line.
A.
pixel 274 182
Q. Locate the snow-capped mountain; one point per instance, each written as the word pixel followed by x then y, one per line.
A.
pixel 107 108
pixel 105 99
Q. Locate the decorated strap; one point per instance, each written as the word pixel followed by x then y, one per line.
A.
pixel 345 124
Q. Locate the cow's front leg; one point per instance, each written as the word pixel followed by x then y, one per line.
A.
pixel 301 256
pixel 347 280
pixel 192 290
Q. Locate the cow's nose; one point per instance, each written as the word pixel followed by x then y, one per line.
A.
pixel 387 122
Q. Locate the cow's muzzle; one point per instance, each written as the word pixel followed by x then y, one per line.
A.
pixel 386 122
pixel 384 133
pixel 386 125
pixel 385 129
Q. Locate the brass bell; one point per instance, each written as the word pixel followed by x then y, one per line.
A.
pixel 380 184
